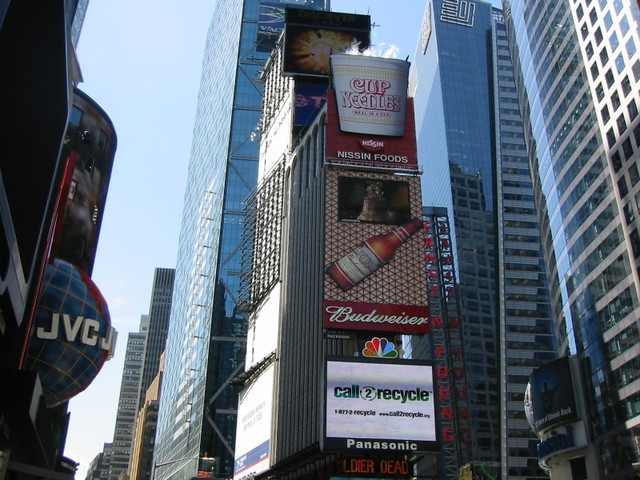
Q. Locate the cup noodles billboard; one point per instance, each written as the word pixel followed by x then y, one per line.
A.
pixel 375 275
pixel 371 93
pixel 370 120
pixel 384 406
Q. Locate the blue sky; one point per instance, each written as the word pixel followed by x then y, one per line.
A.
pixel 141 62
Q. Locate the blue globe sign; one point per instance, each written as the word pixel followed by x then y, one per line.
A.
pixel 72 335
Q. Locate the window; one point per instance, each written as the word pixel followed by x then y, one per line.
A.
pixel 76 116
pixel 627 148
pixel 613 41
pixel 624 25
pixel 102 140
pixel 616 161
pixel 622 186
pixel 631 47
pixel 611 137
pixel 607 21
pixel 615 100
pixel 609 78
pixel 594 71
pixel 633 110
pixel 90 164
pixel 598 36
pixel 634 176
pixel 605 114
pixel 628 213
pixel 626 85
pixel 604 56
pixel 620 63
pixel 589 50
pixel 622 124
pixel 593 16
pixel 600 92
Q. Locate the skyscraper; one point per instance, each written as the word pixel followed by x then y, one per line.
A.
pixel 128 400
pixel 580 90
pixel 207 333
pixel 472 149
pixel 159 313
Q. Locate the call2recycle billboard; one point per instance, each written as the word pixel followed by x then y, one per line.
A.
pixel 379 405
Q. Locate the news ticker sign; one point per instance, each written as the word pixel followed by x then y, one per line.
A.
pixel 385 406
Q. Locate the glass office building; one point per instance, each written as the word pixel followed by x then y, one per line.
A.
pixel 206 339
pixel 472 150
pixel 580 87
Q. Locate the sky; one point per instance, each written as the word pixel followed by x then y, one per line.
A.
pixel 141 62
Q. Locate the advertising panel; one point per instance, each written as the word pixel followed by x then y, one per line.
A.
pixel 270 25
pixel 551 395
pixel 73 336
pixel 310 98
pixel 253 430
pixel 386 406
pixel 375 275
pixel 371 93
pixel 362 149
pixel 312 36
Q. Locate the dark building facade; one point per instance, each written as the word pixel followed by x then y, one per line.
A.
pixel 54 161
pixel 472 149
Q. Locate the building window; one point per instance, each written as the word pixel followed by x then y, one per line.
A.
pixel 600 92
pixel 605 114
pixel 598 36
pixel 589 50
pixel 620 63
pixel 616 161
pixel 102 140
pixel 615 100
pixel 622 186
pixel 633 110
pixel 611 137
pixel 634 175
pixel 631 47
pixel 622 124
pixel 604 56
pixel 626 85
pixel 613 41
pixel 609 78
pixel 627 149
pixel 76 116
pixel 624 25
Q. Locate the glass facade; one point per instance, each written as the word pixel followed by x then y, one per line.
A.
pixel 206 340
pixel 580 87
pixel 473 153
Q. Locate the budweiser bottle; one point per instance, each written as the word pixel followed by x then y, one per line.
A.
pixel 370 255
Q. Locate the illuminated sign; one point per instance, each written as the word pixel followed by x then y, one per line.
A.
pixel 371 94
pixel 374 275
pixel 552 397
pixel 73 336
pixel 379 405
pixel 312 36
pixel 368 149
pixel 369 466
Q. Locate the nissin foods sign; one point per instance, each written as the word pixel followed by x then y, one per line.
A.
pixel 379 405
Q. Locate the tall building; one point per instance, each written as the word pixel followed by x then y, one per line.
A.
pixel 50 214
pixel 580 90
pixel 472 149
pixel 207 333
pixel 159 314
pixel 127 409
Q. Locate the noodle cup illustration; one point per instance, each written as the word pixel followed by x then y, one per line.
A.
pixel 371 93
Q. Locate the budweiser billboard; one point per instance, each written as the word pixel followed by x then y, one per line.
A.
pixel 375 276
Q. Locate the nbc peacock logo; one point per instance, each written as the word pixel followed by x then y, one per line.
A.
pixel 379 348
